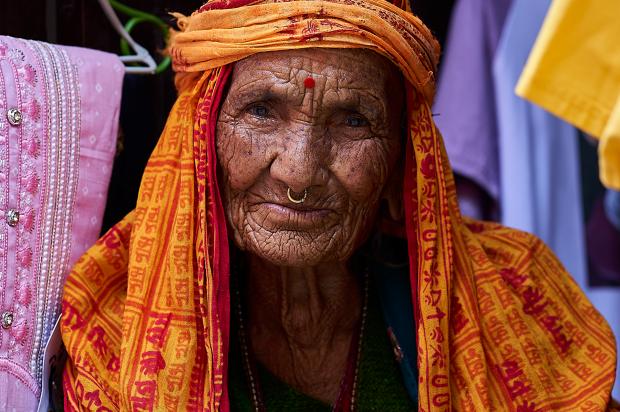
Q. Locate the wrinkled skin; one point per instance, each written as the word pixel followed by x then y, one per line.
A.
pixel 339 141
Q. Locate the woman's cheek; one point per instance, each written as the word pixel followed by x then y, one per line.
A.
pixel 240 159
pixel 362 169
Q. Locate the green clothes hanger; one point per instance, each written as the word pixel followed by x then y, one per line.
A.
pixel 141 62
pixel 138 17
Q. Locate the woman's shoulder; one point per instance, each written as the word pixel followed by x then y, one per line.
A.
pixel 541 338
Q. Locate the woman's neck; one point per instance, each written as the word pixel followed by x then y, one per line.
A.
pixel 301 322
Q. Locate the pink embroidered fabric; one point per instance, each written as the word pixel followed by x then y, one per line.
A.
pixel 59 110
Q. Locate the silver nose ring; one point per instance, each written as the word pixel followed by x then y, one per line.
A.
pixel 292 199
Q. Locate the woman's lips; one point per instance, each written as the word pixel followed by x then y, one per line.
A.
pixel 295 217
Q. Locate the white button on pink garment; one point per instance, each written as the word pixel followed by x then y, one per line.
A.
pixel 14 116
pixel 12 217
pixel 6 320
pixel 48 99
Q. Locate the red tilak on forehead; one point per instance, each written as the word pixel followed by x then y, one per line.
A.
pixel 309 82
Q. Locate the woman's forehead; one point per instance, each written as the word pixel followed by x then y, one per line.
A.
pixel 345 66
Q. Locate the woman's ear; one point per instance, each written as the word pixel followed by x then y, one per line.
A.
pixel 394 196
pixel 392 216
pixel 395 205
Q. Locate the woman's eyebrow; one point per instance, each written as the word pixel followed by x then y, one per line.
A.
pixel 358 101
pixel 247 95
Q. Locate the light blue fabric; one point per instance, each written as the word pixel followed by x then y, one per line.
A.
pixel 540 187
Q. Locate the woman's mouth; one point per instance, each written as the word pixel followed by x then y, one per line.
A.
pixel 295 217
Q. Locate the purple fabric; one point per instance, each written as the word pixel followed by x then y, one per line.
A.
pixel 612 207
pixel 603 242
pixel 55 167
pixel 465 102
pixel 474 201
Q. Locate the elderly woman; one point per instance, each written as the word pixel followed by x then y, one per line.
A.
pixel 297 230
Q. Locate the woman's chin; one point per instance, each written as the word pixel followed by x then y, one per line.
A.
pixel 297 251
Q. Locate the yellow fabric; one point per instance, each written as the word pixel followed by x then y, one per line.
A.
pixel 500 325
pixel 574 72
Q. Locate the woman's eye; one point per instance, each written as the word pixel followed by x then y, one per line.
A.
pixel 259 110
pixel 356 121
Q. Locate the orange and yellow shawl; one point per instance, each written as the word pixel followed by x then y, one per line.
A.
pixel 500 325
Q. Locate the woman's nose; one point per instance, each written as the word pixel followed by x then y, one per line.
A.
pixel 301 163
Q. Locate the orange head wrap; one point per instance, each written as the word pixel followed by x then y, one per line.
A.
pixel 222 32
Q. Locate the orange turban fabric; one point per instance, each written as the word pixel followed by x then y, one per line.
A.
pixel 500 325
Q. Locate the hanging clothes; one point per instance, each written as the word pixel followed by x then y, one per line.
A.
pixel 540 188
pixel 465 102
pixel 574 72
pixel 59 116
pixel 502 143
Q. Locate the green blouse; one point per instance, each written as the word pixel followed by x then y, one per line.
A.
pixel 380 386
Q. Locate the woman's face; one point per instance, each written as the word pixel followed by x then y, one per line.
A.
pixel 335 137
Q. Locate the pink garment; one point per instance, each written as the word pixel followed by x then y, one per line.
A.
pixel 56 154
